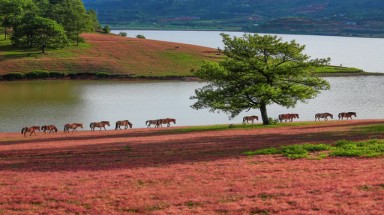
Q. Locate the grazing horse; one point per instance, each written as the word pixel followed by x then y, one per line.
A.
pixel 31 130
pixel 347 115
pixel 100 125
pixel 288 117
pixel 323 115
pixel 155 122
pixel 124 123
pixel 72 126
pixel 50 128
pixel 246 119
pixel 167 121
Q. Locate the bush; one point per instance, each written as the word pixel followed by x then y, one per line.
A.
pixel 273 121
pixel 123 34
pixel 14 76
pixel 106 29
pixel 100 75
pixel 37 74
pixel 57 74
pixel 140 36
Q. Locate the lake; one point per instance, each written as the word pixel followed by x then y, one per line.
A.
pixel 363 53
pixel 59 102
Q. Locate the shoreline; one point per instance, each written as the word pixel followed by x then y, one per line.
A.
pixel 124 77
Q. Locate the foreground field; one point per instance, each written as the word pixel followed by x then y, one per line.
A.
pixel 181 171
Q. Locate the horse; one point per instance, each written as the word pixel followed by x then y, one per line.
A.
pixel 246 119
pixel 155 122
pixel 100 125
pixel 323 115
pixel 72 126
pixel 50 128
pixel 31 130
pixel 288 117
pixel 124 123
pixel 167 121
pixel 347 115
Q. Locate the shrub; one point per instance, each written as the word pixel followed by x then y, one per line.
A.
pixel 106 29
pixel 57 74
pixel 123 34
pixel 14 76
pixel 37 74
pixel 273 121
pixel 140 36
pixel 100 75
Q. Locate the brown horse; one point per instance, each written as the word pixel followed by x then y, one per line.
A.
pixel 156 122
pixel 347 115
pixel 246 119
pixel 288 117
pixel 124 123
pixel 167 121
pixel 323 115
pixel 50 128
pixel 72 126
pixel 100 125
pixel 31 130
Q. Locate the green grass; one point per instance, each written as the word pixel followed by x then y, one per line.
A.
pixel 341 148
pixel 337 69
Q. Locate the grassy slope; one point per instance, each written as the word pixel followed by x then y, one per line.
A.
pixel 114 54
pixel 120 55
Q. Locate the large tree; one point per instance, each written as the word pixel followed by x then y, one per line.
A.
pixel 39 32
pixel 256 72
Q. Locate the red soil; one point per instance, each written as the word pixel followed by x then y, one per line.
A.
pixel 155 171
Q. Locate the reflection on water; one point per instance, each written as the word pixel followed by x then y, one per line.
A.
pixel 59 102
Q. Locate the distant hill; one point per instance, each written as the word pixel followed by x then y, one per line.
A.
pixel 327 17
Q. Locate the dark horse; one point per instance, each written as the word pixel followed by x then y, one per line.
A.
pixel 155 122
pixel 100 125
pixel 72 126
pixel 50 128
pixel 124 123
pixel 323 115
pixel 347 115
pixel 247 119
pixel 167 121
pixel 31 130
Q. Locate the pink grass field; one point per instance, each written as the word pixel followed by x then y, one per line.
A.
pixel 157 171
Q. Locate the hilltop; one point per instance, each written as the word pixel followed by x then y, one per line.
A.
pixel 111 54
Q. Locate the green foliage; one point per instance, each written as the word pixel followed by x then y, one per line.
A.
pixel 14 76
pixel 57 74
pixel 106 29
pixel 140 36
pixel 258 71
pixel 123 34
pixel 342 148
pixel 102 75
pixel 39 32
pixel 37 75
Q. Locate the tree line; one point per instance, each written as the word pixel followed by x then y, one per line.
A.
pixel 45 24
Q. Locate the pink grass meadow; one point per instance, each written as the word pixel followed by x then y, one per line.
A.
pixel 131 172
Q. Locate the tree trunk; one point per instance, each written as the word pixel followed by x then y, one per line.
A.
pixel 264 114
pixel 5 33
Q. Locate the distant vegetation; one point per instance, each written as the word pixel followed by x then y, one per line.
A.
pixel 43 24
pixel 325 17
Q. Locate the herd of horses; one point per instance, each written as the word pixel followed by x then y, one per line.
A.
pixel 290 116
pixel 93 125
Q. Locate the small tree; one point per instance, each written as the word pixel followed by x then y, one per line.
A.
pixel 106 29
pixel 256 72
pixel 123 34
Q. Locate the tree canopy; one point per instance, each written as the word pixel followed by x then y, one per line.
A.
pixel 258 71
pixel 51 18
